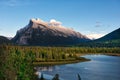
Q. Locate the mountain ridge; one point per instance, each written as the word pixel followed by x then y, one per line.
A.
pixel 38 32
pixel 111 36
pixel 111 39
pixel 4 40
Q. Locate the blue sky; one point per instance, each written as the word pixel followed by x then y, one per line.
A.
pixel 93 18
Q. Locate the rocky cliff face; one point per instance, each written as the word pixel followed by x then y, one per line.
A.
pixel 38 32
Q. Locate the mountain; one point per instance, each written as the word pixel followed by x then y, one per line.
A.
pixel 4 40
pixel 39 32
pixel 112 39
pixel 114 35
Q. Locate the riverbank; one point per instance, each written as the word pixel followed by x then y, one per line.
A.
pixel 60 62
pixel 115 54
pixel 50 62
pixel 108 54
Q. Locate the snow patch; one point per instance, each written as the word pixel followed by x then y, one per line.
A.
pixel 52 24
pixel 37 20
pixel 94 35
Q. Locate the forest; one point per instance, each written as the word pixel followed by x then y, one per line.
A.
pixel 17 62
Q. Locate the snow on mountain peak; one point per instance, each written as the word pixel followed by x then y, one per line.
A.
pixel 52 24
pixel 37 20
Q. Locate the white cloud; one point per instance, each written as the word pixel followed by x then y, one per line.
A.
pixel 94 35
pixel 55 22
pixel 52 20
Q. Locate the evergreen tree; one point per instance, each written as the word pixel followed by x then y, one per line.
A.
pixel 56 77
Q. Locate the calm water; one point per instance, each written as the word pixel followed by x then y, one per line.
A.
pixel 100 67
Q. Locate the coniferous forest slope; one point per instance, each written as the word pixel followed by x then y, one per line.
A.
pixel 112 39
pixel 114 35
pixel 4 40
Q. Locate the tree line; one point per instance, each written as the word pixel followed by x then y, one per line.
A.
pixel 16 62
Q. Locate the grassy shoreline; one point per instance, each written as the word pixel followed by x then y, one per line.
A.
pixel 69 61
pixel 110 54
pixel 60 62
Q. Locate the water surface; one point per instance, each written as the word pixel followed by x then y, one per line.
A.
pixel 101 67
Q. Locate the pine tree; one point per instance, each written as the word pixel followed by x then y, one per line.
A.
pixel 56 77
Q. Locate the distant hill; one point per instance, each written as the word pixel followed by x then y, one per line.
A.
pixel 110 40
pixel 38 32
pixel 115 35
pixel 4 40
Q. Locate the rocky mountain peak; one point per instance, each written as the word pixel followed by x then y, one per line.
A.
pixel 37 21
pixel 39 32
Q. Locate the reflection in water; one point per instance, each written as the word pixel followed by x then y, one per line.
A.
pixel 44 68
pixel 41 69
pixel 100 67
pixel 46 76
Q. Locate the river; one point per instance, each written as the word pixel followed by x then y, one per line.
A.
pixel 101 67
